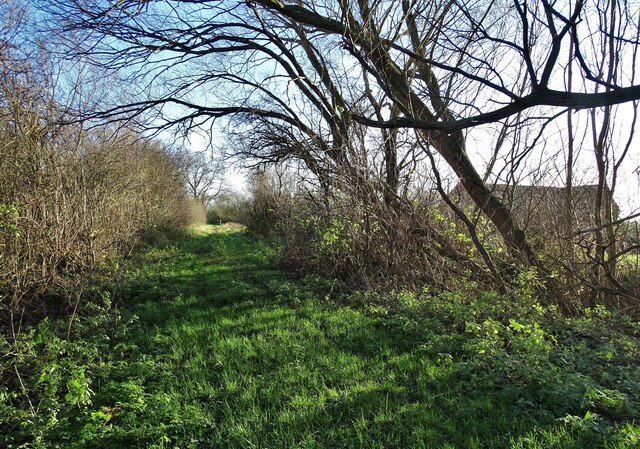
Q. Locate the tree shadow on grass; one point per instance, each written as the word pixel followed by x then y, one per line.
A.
pixel 281 367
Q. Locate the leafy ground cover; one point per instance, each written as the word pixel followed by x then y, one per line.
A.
pixel 213 347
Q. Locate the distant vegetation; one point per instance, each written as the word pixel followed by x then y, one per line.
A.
pixel 229 206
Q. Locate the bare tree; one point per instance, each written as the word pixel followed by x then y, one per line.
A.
pixel 203 176
pixel 319 82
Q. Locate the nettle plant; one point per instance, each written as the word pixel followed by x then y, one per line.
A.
pixel 50 372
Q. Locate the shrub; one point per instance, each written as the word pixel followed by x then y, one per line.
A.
pixel 353 234
pixel 71 201
pixel 49 375
pixel 272 203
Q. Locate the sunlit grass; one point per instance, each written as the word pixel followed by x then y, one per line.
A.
pixel 227 352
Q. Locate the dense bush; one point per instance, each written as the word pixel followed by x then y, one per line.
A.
pixel 352 232
pixel 353 235
pixel 67 211
pixel 71 200
pixel 272 205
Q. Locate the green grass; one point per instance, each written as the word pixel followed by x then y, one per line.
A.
pixel 224 351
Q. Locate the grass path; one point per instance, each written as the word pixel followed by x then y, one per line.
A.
pixel 227 352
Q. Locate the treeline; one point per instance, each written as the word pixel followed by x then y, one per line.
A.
pixel 72 201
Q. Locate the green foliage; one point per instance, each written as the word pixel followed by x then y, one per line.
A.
pixel 78 392
pixel 334 238
pixel 227 352
pixel 48 374
pixel 528 283
pixel 8 220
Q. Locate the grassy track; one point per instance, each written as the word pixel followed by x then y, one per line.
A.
pixel 229 353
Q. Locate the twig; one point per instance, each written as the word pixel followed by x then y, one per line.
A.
pixel 24 390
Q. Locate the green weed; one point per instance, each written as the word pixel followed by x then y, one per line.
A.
pixel 227 352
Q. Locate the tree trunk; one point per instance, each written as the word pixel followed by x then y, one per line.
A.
pixel 453 151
